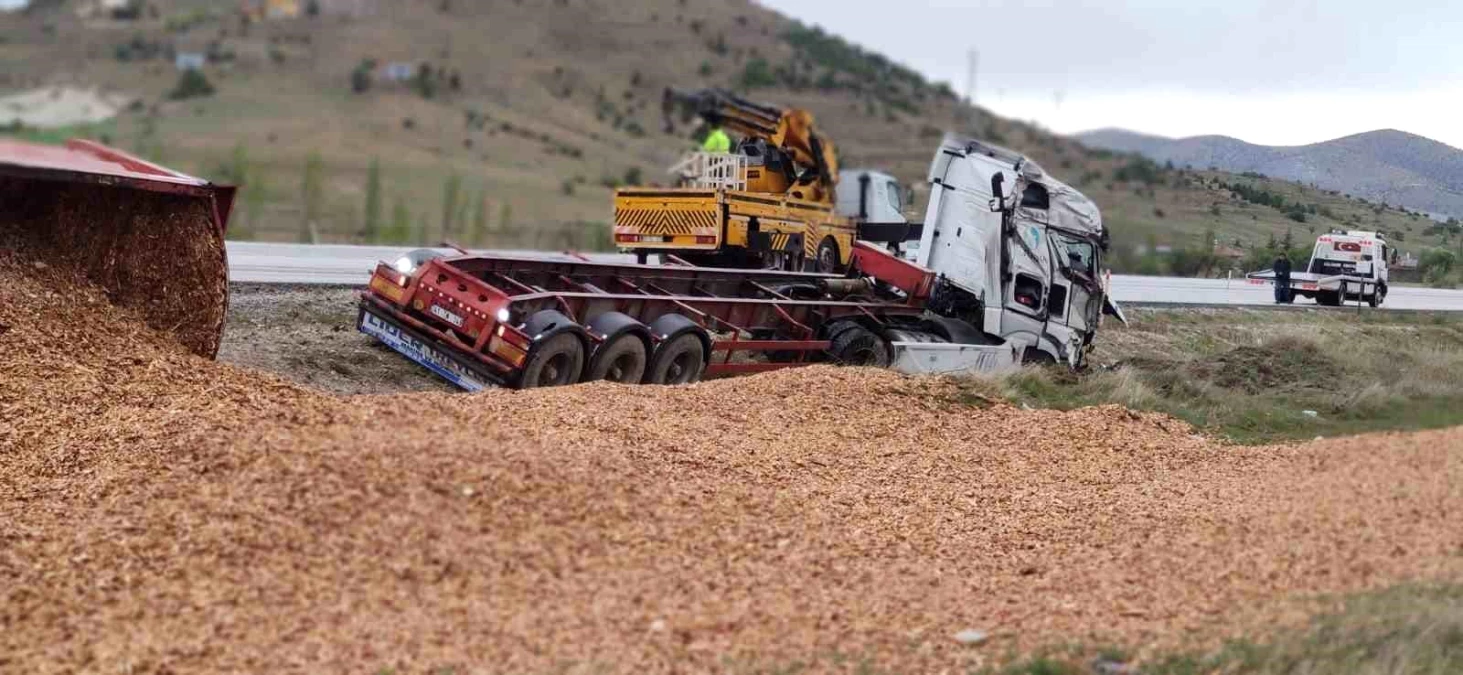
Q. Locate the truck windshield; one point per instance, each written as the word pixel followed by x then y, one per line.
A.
pixel 1077 254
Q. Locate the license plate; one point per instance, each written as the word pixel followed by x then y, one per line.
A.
pixel 424 354
pixel 447 315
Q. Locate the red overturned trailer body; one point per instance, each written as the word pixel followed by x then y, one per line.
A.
pixel 153 238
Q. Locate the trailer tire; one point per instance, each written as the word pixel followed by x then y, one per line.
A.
pixel 1328 298
pixel 679 360
pixel 555 362
pixel 859 346
pixel 622 361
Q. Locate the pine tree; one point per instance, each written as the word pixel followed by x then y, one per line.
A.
pixel 373 201
pixel 450 197
pixel 479 220
pixel 255 191
pixel 238 169
pixel 312 191
pixel 505 218
pixel 400 230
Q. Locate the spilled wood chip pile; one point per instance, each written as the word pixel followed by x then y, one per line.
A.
pixel 164 513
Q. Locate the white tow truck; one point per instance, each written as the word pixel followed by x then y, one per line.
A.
pixel 1345 266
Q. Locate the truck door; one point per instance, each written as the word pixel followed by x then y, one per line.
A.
pixel 1077 280
pixel 961 234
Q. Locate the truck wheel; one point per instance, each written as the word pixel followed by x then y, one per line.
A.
pixel 679 361
pixel 620 361
pixel 1329 298
pixel 1378 295
pixel 859 346
pixel 1035 356
pixel 554 363
pixel 825 261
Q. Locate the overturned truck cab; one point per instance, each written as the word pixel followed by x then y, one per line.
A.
pixel 1020 255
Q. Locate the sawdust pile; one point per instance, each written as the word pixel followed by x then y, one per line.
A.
pixel 159 512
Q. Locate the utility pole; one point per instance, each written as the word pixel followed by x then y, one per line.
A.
pixel 972 65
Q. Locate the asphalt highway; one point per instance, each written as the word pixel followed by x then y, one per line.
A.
pixel 254 262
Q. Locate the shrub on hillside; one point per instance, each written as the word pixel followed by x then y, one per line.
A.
pixel 1436 263
pixel 191 84
pixel 757 74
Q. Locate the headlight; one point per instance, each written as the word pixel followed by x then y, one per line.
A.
pixel 504 315
pixel 404 265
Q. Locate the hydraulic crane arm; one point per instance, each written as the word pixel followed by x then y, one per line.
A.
pixel 789 130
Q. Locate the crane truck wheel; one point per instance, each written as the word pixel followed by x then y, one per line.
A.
pixel 680 360
pixel 620 361
pixel 858 346
pixel 825 261
pixel 555 362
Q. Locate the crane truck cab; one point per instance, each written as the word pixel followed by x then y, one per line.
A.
pixel 870 196
pixel 1019 254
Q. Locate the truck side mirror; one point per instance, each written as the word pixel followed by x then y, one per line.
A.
pixel 997 181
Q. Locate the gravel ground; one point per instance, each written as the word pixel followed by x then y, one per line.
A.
pixel 307 334
pixel 162 513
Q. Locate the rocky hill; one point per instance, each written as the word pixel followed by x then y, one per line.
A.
pixel 1388 166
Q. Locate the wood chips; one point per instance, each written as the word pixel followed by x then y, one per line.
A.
pixel 159 254
pixel 163 513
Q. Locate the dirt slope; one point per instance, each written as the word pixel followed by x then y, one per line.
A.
pixel 161 513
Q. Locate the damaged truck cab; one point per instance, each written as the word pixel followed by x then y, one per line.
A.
pixel 1020 254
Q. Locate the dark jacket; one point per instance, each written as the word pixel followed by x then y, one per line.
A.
pixel 1282 268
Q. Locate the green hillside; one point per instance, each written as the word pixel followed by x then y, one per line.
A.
pixel 518 117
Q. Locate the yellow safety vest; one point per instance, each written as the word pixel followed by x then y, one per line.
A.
pixel 717 141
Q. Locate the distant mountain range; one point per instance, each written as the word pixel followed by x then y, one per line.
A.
pixel 1390 166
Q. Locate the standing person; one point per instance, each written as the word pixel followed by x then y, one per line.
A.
pixel 716 140
pixel 1282 278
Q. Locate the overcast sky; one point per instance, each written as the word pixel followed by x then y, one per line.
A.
pixel 1283 72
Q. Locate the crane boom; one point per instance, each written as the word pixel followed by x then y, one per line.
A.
pixel 790 130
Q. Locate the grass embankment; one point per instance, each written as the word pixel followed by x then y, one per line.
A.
pixel 1411 630
pixel 1261 375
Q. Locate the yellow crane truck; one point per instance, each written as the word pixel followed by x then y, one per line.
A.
pixel 770 203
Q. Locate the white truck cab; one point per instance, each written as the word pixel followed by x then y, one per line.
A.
pixel 870 196
pixel 1019 254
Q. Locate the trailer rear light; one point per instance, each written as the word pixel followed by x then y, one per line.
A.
pixel 389 283
pixel 508 351
pixel 704 239
pixel 513 337
pixel 627 238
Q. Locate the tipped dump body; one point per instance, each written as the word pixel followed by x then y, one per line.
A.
pixel 152 237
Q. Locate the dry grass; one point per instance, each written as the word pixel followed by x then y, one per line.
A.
pixel 1252 375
